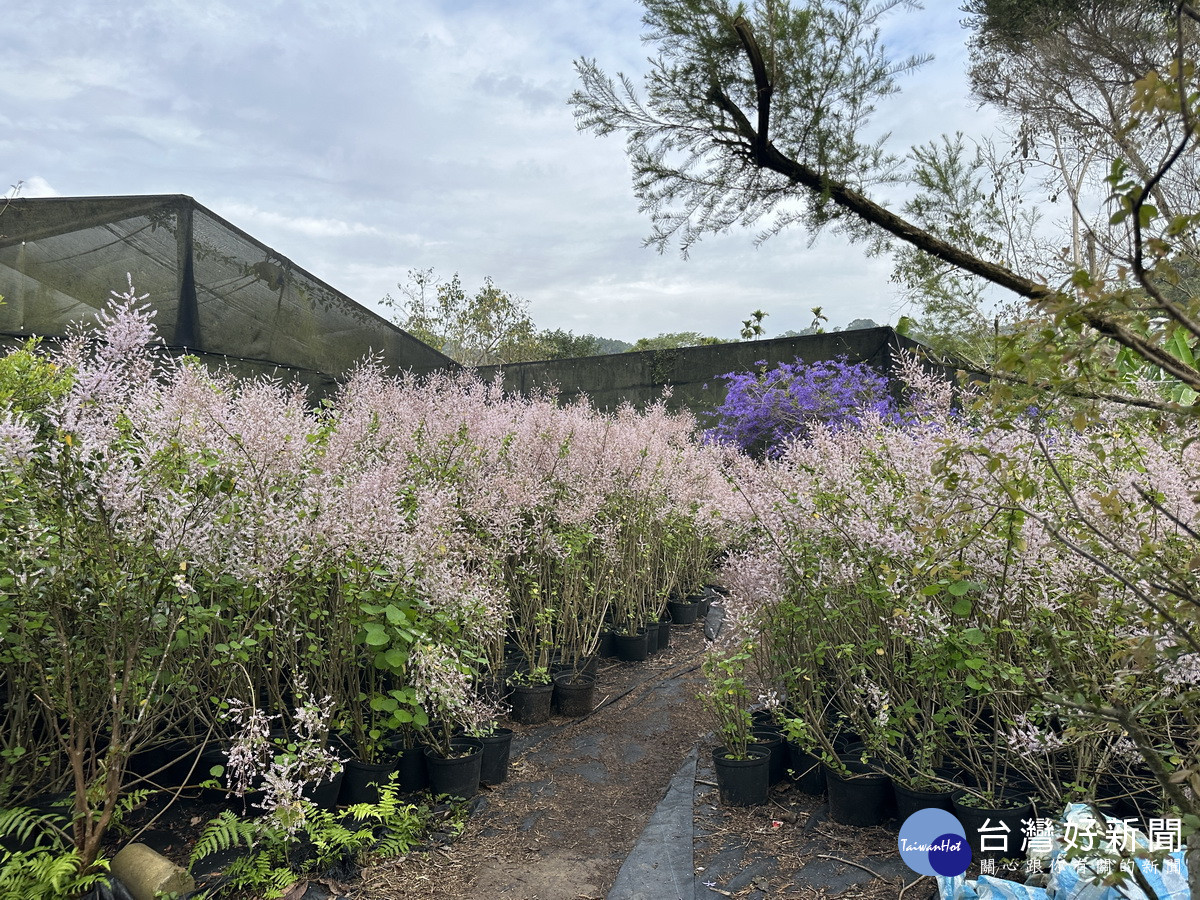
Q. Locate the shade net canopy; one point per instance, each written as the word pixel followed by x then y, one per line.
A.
pixel 218 293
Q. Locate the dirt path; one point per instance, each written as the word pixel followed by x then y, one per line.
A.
pixel 578 795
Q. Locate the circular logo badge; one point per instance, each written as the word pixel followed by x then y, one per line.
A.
pixel 933 842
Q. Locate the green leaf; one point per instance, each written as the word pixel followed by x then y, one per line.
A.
pixel 962 607
pixel 376 635
pixel 393 658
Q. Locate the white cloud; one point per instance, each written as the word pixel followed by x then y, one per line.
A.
pixel 37 186
pixel 365 138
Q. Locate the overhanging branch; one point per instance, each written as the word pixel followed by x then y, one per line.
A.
pixel 766 155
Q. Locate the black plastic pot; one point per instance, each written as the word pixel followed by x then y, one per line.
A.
pixel 987 844
pixel 574 695
pixel 743 782
pixel 664 634
pixel 806 770
pixel 773 741
pixel 683 612
pixel 632 647
pixel 863 797
pixel 360 781
pixel 412 775
pixel 531 703
pixel 324 794
pixel 910 800
pixel 606 649
pixel 169 765
pixel 55 811
pixel 763 718
pixel 652 645
pixel 497 747
pixel 457 776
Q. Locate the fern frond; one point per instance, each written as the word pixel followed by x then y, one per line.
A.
pixel 22 823
pixel 42 874
pixel 222 833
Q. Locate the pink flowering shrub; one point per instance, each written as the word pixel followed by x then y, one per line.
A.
pixel 986 594
pixel 230 542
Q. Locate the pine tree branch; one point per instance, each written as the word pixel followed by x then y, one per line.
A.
pixel 764 154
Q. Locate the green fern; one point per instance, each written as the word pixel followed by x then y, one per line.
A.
pixel 398 825
pixel 21 823
pixel 45 874
pixel 127 804
pixel 365 831
pixel 261 873
pixel 223 833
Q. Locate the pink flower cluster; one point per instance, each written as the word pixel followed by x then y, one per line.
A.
pixel 1018 557
pixel 429 488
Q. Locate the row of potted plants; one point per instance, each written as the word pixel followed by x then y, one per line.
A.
pixel 973 602
pixel 188 557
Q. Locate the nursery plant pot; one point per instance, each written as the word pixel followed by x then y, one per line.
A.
pixel 993 833
pixel 55 811
pixel 806 770
pixel 763 718
pixel 513 664
pixel 412 774
pixel 632 647
pixel 863 797
pixel 743 782
pixel 652 645
pixel 497 747
pixel 606 648
pixel 574 695
pixel 683 612
pixel 360 781
pixel 325 794
pixel 531 703
pixel 773 741
pixel 664 634
pixel 910 800
pixel 169 765
pixel 457 776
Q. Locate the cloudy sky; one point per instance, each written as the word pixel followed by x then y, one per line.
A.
pixel 366 137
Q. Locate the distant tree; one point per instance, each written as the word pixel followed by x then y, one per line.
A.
pixel 488 327
pixel 752 327
pixel 611 345
pixel 559 344
pixel 675 340
pixel 856 324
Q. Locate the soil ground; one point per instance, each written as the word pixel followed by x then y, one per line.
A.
pixel 580 793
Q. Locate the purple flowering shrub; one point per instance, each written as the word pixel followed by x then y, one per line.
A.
pixel 764 410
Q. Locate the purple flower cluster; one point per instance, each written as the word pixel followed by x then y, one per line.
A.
pixel 765 410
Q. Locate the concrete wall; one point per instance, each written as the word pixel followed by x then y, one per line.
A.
pixel 693 373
